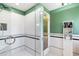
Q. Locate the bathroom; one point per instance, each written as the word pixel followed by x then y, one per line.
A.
pixel 35 29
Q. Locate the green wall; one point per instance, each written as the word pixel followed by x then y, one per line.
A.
pixel 58 16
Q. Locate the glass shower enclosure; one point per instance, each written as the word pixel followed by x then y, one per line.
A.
pixel 24 35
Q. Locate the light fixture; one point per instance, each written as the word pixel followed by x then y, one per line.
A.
pixel 62 4
pixel 17 3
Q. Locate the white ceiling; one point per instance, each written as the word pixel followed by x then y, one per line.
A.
pixel 26 6
pixel 52 6
pixel 21 6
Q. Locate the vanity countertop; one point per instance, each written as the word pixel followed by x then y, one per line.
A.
pixel 59 35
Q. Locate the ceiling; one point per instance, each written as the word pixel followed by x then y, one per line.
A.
pixel 26 6
pixel 52 6
pixel 21 6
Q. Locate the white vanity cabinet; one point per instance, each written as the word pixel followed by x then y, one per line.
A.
pixel 56 47
pixel 56 42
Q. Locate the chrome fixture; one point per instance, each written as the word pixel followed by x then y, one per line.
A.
pixel 10 38
pixel 13 38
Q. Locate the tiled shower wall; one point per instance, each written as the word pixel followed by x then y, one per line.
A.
pixel 32 27
pixel 19 24
pixel 15 25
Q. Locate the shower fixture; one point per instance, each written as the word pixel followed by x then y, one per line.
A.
pixel 12 38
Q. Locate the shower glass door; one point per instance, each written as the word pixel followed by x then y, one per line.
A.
pixel 42 31
pixel 39 31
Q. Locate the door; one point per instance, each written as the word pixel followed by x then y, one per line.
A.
pixel 42 31
pixel 46 33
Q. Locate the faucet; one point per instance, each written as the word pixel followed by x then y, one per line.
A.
pixel 9 37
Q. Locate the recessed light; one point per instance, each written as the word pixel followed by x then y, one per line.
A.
pixel 17 3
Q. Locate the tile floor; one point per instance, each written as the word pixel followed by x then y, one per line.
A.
pixel 16 52
pixel 23 51
pixel 55 52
